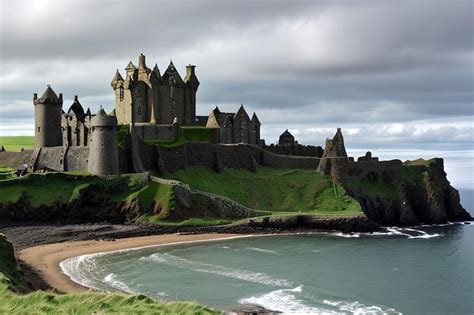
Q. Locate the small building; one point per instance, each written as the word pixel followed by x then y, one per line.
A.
pixel 235 127
pixel 286 138
pixel 75 125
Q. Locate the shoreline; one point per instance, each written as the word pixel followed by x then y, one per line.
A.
pixel 41 263
pixel 45 259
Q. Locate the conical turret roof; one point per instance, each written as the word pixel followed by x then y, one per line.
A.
pixel 116 79
pixel 49 97
pixel 101 119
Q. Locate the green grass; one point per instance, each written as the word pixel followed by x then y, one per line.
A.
pixel 186 134
pixel 16 143
pixel 6 173
pixel 272 189
pixel 44 189
pixel 41 302
pixel 373 189
pixel 48 188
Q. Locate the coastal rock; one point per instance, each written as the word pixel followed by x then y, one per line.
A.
pixel 411 193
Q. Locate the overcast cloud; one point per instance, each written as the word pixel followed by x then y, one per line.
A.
pixel 397 76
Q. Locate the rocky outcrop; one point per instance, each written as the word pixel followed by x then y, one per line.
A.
pixel 412 193
pixel 356 223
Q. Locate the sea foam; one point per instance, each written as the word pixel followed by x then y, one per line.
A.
pixel 250 276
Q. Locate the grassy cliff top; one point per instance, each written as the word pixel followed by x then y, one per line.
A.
pixel 273 189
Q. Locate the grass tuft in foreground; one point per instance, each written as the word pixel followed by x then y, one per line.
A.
pixel 41 302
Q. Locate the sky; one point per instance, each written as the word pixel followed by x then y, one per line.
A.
pixel 396 76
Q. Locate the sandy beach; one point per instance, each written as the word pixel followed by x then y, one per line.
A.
pixel 45 259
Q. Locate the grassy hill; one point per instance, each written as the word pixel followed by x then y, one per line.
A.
pixel 16 298
pixel 16 143
pixel 273 189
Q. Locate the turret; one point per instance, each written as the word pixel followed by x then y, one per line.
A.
pixel 117 80
pixel 255 130
pixel 103 151
pixel 48 111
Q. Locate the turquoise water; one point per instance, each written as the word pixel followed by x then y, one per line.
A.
pixel 424 270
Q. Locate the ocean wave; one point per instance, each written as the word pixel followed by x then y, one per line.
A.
pixel 288 301
pixel 250 276
pixel 359 308
pixel 262 250
pixel 346 235
pixel 82 270
pixel 112 280
pixel 285 301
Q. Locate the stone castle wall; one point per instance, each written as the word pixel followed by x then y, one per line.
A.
pixel 217 155
pixel 157 132
pixel 296 149
pixel 77 158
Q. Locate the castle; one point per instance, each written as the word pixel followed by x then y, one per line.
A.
pixel 74 140
pixel 155 105
pixel 146 96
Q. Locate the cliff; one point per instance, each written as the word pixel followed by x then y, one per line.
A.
pixel 410 193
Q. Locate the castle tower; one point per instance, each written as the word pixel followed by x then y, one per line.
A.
pixel 103 151
pixel 192 85
pixel 48 112
pixel 334 161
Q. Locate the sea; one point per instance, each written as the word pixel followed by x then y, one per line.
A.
pixel 418 270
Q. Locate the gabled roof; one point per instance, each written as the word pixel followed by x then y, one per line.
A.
pixel 216 111
pixel 287 134
pixel 242 112
pixel 154 76
pixel 76 107
pixel 88 112
pixel 130 66
pixel 255 119
pixel 172 73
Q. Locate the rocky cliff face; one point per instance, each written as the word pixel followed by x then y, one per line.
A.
pixel 411 193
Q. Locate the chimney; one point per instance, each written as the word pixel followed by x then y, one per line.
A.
pixel 190 70
pixel 61 96
pixel 35 96
pixel 141 61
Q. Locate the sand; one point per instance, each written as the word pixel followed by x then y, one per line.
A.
pixel 45 259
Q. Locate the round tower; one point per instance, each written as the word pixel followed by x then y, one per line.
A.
pixel 103 149
pixel 48 111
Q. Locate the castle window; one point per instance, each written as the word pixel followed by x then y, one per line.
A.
pixel 121 93
pixel 38 129
pixel 139 110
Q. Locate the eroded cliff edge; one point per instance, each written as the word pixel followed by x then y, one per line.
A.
pixel 409 193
